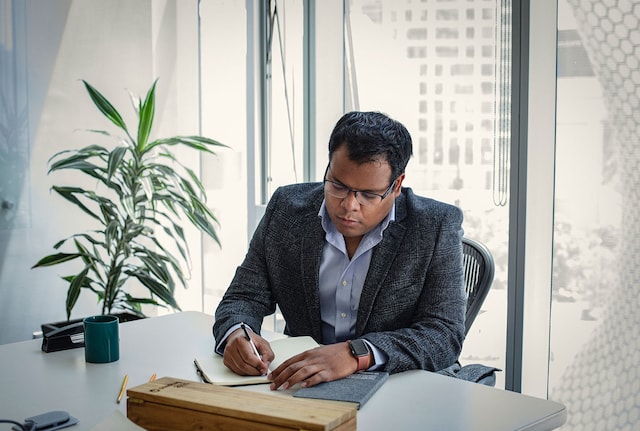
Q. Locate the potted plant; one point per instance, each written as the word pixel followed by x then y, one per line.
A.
pixel 141 189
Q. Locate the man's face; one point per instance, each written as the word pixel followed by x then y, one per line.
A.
pixel 351 219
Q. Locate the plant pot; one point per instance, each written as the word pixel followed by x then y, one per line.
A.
pixel 69 334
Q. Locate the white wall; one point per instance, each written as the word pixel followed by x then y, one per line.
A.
pixel 111 45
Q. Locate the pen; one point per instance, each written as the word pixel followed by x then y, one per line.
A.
pixel 122 388
pixel 253 346
pixel 153 377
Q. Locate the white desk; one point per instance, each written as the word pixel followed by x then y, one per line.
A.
pixel 33 382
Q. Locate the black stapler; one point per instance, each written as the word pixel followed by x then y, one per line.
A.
pixel 62 336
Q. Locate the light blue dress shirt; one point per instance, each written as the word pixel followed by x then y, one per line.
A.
pixel 341 281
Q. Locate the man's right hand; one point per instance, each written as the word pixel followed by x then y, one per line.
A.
pixel 240 357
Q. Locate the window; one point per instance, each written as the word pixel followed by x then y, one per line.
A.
pixel 417 33
pixel 447 14
pixel 447 51
pixel 454 152
pixel 468 151
pixel 451 143
pixel 460 89
pixel 446 33
pixel 462 69
pixel 487 87
pixel 416 52
pixel 470 32
pixel 284 86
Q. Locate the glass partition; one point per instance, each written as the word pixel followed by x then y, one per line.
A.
pixel 594 320
pixel 442 68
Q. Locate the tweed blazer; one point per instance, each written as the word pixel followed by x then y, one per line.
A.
pixel 412 305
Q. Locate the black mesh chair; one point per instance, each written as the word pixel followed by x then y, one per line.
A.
pixel 478 276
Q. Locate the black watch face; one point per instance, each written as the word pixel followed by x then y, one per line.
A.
pixel 359 348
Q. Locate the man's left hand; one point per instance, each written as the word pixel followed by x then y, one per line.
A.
pixel 322 364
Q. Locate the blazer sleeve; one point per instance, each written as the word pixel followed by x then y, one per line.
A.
pixel 276 269
pixel 248 298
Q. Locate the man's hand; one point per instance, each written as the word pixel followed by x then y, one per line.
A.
pixel 322 364
pixel 240 357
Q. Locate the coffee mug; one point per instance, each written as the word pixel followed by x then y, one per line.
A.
pixel 101 339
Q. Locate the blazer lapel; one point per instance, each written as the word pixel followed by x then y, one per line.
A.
pixel 311 246
pixel 383 254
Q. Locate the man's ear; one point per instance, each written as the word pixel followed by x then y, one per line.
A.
pixel 398 185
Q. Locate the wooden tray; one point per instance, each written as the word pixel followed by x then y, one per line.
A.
pixel 170 403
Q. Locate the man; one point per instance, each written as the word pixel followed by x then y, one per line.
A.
pixel 368 269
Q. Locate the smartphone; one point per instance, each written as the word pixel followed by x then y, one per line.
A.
pixel 51 421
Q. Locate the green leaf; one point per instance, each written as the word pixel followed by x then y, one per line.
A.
pixel 70 162
pixel 69 194
pixel 204 224
pixel 105 107
pixel 132 304
pixel 153 262
pixel 147 112
pixel 74 290
pixel 178 242
pixel 135 300
pixel 157 289
pixel 111 234
pixel 147 186
pixel 115 158
pixel 87 258
pixel 196 181
pixel 55 259
pixel 199 143
pixel 129 207
pixel 109 210
pixel 79 165
pixel 112 287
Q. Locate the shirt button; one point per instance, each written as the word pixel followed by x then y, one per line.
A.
pixel 343 315
pixel 344 282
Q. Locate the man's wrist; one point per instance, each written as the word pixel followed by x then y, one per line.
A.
pixel 362 354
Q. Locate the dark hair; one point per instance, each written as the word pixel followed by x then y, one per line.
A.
pixel 369 135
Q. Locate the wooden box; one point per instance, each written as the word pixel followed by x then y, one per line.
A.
pixel 174 404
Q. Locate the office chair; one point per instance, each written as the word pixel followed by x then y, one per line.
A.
pixel 478 276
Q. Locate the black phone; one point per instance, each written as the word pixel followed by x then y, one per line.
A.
pixel 50 421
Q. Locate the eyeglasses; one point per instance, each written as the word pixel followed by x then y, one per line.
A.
pixel 339 190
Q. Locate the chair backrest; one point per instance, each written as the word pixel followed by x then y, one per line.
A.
pixel 478 276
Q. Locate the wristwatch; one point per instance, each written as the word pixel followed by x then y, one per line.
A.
pixel 361 352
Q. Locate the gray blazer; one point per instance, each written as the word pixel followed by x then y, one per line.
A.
pixel 412 305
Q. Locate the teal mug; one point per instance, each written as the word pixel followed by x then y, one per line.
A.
pixel 101 339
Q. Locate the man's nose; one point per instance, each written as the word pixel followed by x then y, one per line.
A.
pixel 350 201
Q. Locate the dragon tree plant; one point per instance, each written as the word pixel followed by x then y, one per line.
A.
pixel 141 189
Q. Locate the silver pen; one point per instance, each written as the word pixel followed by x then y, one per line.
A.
pixel 253 346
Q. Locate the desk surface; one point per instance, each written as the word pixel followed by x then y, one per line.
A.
pixel 33 382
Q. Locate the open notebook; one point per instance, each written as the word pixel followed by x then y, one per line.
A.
pixel 213 370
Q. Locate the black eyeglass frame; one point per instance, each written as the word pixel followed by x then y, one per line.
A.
pixel 355 192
